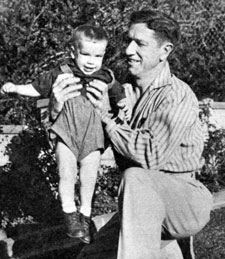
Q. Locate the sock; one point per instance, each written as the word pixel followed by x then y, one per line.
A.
pixel 69 207
pixel 86 211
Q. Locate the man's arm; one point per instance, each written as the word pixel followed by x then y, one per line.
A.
pixel 151 147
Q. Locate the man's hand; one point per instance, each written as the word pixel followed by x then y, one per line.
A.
pixel 8 88
pixel 65 87
pixel 97 93
pixel 126 107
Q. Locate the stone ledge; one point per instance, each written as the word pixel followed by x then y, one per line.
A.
pixel 219 199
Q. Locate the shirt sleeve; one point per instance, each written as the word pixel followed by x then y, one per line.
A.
pixel 116 93
pixel 151 146
pixel 43 83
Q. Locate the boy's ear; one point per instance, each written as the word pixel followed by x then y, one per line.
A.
pixel 72 52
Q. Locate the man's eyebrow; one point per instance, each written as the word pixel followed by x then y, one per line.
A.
pixel 138 40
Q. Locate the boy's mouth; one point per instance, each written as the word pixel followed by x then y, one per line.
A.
pixel 89 69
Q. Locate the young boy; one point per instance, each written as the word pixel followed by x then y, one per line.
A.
pixel 80 137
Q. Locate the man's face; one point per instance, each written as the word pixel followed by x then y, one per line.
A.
pixel 89 55
pixel 143 51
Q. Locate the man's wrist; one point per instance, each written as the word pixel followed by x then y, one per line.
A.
pixel 55 108
pixel 105 117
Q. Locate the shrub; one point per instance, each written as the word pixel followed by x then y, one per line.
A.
pixel 212 173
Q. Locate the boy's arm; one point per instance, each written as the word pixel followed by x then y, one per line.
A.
pixel 26 90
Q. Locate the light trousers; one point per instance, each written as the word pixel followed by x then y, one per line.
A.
pixel 155 205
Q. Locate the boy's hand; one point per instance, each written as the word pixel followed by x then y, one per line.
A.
pixel 126 107
pixel 8 88
pixel 97 94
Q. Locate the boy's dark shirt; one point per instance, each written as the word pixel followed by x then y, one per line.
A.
pixel 43 84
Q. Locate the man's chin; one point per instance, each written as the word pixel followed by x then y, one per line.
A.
pixel 132 71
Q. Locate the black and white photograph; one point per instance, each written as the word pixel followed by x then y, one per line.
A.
pixel 112 129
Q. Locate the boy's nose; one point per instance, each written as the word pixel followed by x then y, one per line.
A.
pixel 90 60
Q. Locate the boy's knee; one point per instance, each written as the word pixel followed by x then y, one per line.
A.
pixel 91 159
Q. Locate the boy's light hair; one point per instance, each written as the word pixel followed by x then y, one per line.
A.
pixel 90 32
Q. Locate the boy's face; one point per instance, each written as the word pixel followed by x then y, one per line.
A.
pixel 89 55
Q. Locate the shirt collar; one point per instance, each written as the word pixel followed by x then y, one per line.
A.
pixel 163 78
pixel 103 74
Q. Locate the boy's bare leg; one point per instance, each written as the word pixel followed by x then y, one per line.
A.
pixel 88 176
pixel 67 166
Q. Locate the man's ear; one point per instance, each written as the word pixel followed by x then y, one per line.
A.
pixel 167 48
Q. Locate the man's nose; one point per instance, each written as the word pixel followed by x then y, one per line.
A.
pixel 130 50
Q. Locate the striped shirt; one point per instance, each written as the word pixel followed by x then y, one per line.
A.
pixel 165 131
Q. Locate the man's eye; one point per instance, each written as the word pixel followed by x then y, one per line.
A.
pixel 140 43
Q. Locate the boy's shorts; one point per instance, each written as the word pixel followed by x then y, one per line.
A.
pixel 79 127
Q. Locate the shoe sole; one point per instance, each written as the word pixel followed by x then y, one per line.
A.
pixel 84 241
pixel 75 236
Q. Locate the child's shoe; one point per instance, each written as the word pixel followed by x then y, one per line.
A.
pixel 74 227
pixel 89 229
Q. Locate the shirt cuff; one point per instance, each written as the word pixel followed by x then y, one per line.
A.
pixel 110 123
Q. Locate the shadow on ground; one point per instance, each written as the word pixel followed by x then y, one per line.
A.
pixel 105 244
pixel 210 242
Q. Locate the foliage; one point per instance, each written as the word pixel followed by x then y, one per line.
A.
pixel 199 59
pixel 27 184
pixel 213 170
pixel 34 37
pixel 106 192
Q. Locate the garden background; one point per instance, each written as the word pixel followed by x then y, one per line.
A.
pixel 33 39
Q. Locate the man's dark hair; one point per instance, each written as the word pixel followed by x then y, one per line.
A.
pixel 164 26
pixel 91 32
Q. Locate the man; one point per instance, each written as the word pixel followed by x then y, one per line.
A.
pixel 161 146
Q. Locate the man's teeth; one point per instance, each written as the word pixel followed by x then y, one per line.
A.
pixel 133 60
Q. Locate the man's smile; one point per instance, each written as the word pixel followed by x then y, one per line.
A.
pixel 132 61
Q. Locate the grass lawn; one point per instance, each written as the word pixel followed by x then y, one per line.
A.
pixel 210 242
